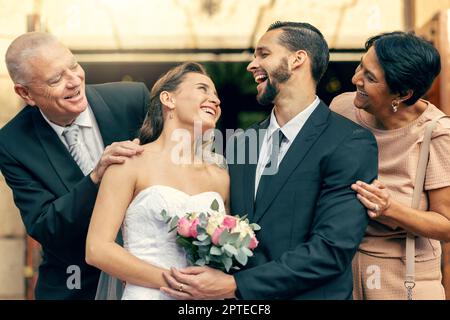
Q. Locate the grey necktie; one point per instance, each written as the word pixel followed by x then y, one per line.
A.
pixel 77 149
pixel 277 139
pixel 271 167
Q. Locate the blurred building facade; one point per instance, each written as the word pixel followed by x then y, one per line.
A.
pixel 113 31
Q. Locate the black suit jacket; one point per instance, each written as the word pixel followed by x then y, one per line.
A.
pixel 311 221
pixel 55 199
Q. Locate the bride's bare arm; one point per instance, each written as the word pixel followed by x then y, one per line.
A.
pixel 114 196
pixel 223 184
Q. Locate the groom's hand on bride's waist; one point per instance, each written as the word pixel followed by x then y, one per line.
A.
pixel 196 283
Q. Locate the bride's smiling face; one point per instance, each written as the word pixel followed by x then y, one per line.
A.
pixel 196 100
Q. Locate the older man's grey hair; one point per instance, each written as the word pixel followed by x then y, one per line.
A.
pixel 21 50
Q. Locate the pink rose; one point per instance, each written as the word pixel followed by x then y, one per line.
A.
pixel 229 222
pixel 216 235
pixel 183 227
pixel 193 229
pixel 253 243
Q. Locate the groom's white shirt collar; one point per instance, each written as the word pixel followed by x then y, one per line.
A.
pixel 290 131
pixel 293 127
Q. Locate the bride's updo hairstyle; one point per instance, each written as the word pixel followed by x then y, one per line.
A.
pixel 170 81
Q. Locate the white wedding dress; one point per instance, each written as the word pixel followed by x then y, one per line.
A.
pixel 146 236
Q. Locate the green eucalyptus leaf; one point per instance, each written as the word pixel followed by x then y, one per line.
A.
pixel 202 236
pixel 215 205
pixel 203 250
pixel 216 258
pixel 227 262
pixel 203 219
pixel 173 224
pixel 215 251
pixel 246 241
pixel 247 251
pixel 183 242
pixel 207 241
pixel 233 238
pixel 223 238
pixel 204 243
pixel 241 257
pixel 230 249
pixel 200 262
pixel 255 226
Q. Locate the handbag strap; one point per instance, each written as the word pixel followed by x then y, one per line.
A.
pixel 418 189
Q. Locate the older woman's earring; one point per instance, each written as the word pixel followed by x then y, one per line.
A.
pixel 394 105
pixel 171 115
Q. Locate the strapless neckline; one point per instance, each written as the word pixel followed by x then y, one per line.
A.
pixel 155 186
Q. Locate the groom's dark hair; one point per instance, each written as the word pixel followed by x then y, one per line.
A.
pixel 154 120
pixel 304 36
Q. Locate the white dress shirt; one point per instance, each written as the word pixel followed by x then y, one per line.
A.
pixel 90 133
pixel 290 131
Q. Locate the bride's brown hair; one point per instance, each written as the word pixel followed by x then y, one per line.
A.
pixel 154 120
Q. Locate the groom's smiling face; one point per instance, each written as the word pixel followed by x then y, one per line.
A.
pixel 270 66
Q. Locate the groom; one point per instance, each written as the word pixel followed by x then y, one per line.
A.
pixel 311 221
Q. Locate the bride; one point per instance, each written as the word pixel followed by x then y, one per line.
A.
pixel 132 195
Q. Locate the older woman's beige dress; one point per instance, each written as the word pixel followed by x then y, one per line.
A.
pixel 379 265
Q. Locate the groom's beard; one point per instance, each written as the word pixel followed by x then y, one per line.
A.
pixel 279 75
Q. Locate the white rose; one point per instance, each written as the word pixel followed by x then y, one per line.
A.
pixel 214 221
pixel 243 228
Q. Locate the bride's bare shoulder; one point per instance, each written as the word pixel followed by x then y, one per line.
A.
pixel 135 163
pixel 142 160
pixel 220 177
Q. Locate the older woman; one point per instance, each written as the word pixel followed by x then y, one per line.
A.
pixel 395 72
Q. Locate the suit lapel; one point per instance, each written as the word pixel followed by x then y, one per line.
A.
pixel 250 167
pixel 108 125
pixel 58 155
pixel 305 139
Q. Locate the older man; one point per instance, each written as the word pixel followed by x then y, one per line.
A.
pixel 54 152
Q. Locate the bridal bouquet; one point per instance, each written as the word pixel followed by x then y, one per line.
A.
pixel 214 238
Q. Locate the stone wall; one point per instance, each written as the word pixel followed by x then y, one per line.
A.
pixel 12 234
